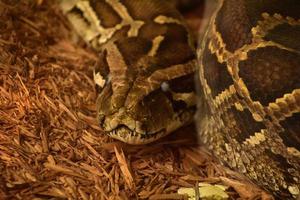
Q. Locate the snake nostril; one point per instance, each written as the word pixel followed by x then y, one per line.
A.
pixel 101 120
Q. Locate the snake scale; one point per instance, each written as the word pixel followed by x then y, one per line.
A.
pixel 247 70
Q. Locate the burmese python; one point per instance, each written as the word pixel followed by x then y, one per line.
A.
pixel 247 79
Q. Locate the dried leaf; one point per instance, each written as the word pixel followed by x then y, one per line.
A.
pixel 246 190
pixel 206 191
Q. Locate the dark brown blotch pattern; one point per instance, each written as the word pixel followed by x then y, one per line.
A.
pixel 269 73
pixel 286 35
pixel 216 74
pixel 233 23
pixel 240 124
pixel 291 133
pixel 108 16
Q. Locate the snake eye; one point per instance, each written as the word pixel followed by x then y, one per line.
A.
pixel 165 87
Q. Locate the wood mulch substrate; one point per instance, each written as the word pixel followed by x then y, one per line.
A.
pixel 50 144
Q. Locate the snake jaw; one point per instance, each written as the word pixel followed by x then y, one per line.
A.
pixel 125 134
pixel 137 133
pixel 132 132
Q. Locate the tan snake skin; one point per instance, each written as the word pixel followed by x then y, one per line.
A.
pixel 248 79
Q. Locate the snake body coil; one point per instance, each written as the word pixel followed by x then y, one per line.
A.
pixel 247 79
pixel 249 105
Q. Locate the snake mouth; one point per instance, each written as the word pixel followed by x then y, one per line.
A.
pixel 125 134
pixel 137 137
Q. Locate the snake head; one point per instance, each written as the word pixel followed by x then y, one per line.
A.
pixel 138 106
pixel 147 62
